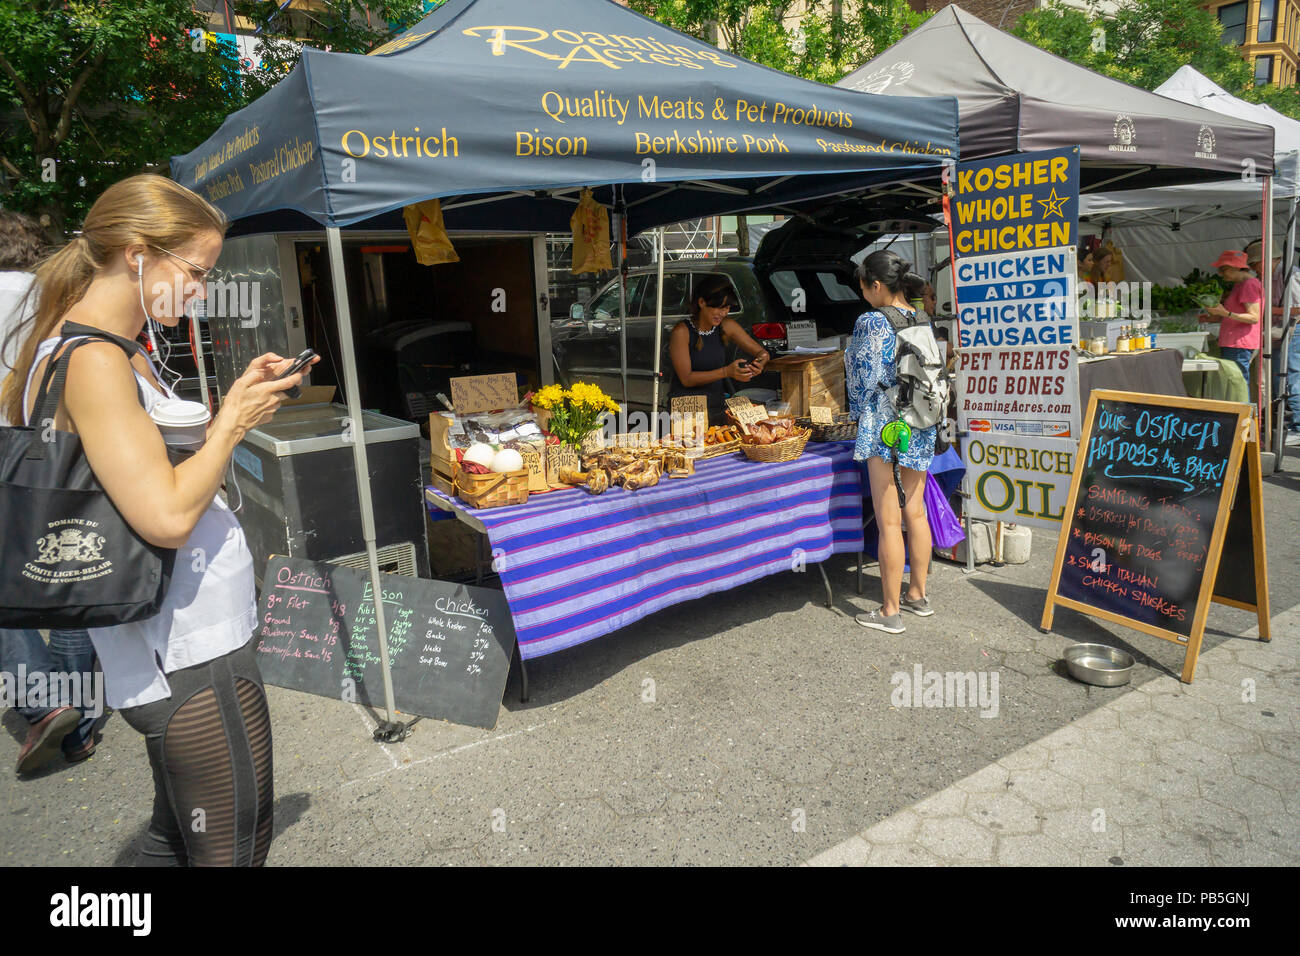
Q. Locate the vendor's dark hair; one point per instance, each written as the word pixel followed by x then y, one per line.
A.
pixel 715 289
pixel 893 270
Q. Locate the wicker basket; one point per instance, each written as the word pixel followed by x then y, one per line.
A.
pixel 845 428
pixel 494 490
pixel 787 450
pixel 718 450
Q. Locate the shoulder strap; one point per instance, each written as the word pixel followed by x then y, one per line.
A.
pixel 73 329
pixel 50 393
pixel 897 317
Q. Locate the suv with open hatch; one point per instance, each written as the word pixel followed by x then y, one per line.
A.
pixel 802 270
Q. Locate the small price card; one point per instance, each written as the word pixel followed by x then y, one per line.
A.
pixel 746 413
pixel 821 415
pixel 689 419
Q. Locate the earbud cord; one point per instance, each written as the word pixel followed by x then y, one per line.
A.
pixel 148 325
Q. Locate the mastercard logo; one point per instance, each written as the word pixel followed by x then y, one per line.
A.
pixel 980 425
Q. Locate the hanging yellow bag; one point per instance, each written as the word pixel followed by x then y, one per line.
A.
pixel 590 225
pixel 424 223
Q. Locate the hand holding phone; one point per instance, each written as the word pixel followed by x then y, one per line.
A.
pixel 301 362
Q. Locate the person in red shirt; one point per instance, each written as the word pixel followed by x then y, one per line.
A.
pixel 1239 312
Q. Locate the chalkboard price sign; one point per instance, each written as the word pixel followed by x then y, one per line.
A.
pixel 1154 483
pixel 449 645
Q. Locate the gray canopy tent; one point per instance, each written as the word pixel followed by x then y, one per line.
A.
pixel 1014 97
pixel 506 124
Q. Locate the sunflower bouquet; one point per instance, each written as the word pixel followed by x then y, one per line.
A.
pixel 574 412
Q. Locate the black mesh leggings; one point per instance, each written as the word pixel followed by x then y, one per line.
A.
pixel 210 749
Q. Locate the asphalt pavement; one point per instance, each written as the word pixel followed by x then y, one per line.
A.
pixel 760 727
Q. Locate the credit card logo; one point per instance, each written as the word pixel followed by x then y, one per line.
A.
pixel 1029 428
pixel 1056 429
pixel 979 425
pixel 1004 426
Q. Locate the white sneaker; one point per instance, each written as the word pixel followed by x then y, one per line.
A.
pixel 1293 439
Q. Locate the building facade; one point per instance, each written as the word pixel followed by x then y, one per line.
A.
pixel 1267 32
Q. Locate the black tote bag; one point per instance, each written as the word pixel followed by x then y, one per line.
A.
pixel 67 556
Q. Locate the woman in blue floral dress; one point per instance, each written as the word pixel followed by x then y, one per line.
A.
pixel 871 369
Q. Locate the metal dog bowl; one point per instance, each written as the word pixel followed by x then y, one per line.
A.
pixel 1099 664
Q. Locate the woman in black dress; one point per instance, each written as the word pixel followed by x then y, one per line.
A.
pixel 697 347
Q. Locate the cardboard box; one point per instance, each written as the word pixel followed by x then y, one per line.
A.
pixel 484 393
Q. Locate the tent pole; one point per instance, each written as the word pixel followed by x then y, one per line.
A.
pixel 622 301
pixel 343 312
pixel 1265 375
pixel 200 360
pixel 659 333
pixel 1284 346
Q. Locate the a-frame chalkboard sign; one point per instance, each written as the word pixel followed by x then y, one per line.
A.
pixel 1166 516
pixel 449 644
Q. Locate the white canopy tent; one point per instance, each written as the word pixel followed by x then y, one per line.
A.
pixel 1168 231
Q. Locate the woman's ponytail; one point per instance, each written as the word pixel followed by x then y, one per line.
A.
pixel 61 280
pixel 146 209
pixel 894 271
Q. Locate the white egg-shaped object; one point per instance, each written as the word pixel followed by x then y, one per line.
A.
pixel 507 460
pixel 481 454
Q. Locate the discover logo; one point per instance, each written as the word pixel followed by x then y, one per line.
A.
pixel 75 909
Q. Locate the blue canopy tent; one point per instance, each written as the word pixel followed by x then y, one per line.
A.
pixel 464 105
pixel 506 109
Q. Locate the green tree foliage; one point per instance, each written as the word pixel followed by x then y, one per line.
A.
pixel 1145 41
pixel 817 40
pixel 93 91
pixel 341 26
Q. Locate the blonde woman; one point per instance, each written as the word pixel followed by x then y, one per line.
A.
pixel 187 678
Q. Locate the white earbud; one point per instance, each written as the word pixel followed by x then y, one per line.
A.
pixel 139 266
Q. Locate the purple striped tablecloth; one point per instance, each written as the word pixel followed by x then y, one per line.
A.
pixel 577 566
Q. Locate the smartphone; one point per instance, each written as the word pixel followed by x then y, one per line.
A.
pixel 298 365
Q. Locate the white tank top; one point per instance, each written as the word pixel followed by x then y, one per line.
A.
pixel 210 608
